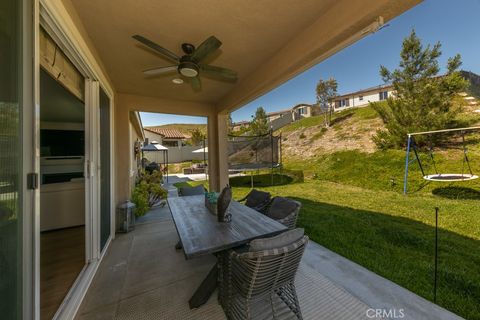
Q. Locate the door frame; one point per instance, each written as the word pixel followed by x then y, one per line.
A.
pixel 30 124
pixel 54 18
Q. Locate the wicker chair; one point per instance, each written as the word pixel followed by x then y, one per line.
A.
pixel 257 200
pixel 260 284
pixel 285 211
pixel 191 191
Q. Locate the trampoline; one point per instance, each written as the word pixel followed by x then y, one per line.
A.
pixel 450 177
pixel 254 153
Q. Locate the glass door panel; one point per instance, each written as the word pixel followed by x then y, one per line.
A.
pixel 10 160
pixel 105 207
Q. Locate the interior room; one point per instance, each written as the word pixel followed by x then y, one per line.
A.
pixel 62 184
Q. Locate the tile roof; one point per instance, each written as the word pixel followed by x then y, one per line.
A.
pixel 167 133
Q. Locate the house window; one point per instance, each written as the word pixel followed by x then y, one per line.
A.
pixel 301 110
pixel 170 143
pixel 383 95
pixel 360 98
pixel 345 103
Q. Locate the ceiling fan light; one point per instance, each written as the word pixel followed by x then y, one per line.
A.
pixel 177 81
pixel 189 72
pixel 188 69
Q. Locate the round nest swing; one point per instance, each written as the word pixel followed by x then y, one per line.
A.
pixel 450 177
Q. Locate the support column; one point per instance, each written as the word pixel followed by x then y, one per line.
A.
pixel 217 151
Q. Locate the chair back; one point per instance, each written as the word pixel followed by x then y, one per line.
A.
pixel 257 199
pixel 192 191
pixel 284 210
pixel 261 272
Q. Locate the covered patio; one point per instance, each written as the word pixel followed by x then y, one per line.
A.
pixel 144 277
pixel 140 274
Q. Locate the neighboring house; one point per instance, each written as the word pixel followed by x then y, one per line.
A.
pixel 302 110
pixel 166 137
pixel 271 116
pixel 174 140
pixel 363 97
pixel 279 119
pixel 237 126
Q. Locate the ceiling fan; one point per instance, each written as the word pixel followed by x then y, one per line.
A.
pixel 189 65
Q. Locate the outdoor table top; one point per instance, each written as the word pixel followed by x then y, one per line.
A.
pixel 200 233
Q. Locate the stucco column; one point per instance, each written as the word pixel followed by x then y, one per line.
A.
pixel 122 152
pixel 217 151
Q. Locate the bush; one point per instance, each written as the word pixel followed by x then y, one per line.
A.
pixel 148 192
pixel 140 199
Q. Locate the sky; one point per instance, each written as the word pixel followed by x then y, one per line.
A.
pixel 454 23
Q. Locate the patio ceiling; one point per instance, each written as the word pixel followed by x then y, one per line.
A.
pixel 267 42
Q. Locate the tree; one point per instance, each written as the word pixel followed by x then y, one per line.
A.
pixel 230 124
pixel 422 101
pixel 326 91
pixel 259 124
pixel 197 137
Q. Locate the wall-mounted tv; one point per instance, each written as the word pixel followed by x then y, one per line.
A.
pixel 62 143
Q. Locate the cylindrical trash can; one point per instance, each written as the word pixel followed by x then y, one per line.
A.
pixel 125 217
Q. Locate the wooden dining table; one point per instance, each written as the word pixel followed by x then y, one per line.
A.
pixel 200 234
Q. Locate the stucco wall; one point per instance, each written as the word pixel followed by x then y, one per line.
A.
pixel 373 96
pixel 217 133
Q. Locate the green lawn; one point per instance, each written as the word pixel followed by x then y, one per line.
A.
pixel 392 234
pixel 353 204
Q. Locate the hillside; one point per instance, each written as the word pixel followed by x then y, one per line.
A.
pixel 184 128
pixel 351 129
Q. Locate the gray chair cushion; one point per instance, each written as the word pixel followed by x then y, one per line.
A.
pixel 192 191
pixel 257 199
pixel 282 240
pixel 281 208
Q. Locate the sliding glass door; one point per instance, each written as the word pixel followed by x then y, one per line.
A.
pixel 105 188
pixel 11 214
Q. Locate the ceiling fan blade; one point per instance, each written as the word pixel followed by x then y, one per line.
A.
pixel 208 46
pixel 160 70
pixel 195 83
pixel 156 47
pixel 219 71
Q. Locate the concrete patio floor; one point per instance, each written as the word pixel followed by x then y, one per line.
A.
pixel 142 276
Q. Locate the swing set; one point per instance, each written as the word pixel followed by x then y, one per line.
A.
pixel 466 173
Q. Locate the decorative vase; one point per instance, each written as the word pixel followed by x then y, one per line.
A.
pixel 223 203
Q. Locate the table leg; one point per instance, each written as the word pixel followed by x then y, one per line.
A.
pixel 205 290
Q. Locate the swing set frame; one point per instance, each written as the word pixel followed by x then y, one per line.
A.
pixel 448 177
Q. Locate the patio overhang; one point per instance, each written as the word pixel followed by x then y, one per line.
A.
pixel 266 42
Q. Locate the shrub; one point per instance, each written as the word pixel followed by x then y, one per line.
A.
pixel 140 199
pixel 148 192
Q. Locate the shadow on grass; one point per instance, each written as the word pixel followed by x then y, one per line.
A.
pixel 402 250
pixel 261 180
pixel 457 193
